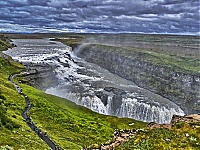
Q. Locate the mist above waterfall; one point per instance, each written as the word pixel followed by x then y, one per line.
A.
pixel 89 85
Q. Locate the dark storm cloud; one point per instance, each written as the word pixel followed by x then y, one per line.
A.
pixel 157 16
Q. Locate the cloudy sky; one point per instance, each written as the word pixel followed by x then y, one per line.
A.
pixel 146 16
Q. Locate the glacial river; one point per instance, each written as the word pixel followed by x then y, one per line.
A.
pixel 92 86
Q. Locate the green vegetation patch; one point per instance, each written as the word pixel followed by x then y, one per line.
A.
pixel 4 43
pixel 185 64
pixel 70 40
pixel 182 136
pixel 70 125
pixel 15 134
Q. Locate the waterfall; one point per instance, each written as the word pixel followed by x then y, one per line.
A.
pixel 130 108
pixel 91 86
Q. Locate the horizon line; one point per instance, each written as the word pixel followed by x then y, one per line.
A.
pixel 153 33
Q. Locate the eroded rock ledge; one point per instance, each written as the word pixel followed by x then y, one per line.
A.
pixel 193 120
pixel 39 75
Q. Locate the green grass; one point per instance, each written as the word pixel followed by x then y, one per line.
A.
pixel 182 136
pixel 4 45
pixel 70 125
pixel 183 64
pixel 14 131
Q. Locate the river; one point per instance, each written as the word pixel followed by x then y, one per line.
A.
pixel 91 86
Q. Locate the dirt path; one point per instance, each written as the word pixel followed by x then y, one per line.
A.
pixel 119 138
pixel 39 132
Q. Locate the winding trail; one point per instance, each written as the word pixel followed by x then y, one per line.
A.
pixel 39 132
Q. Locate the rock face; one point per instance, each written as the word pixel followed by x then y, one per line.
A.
pixel 183 88
pixel 117 97
pixel 193 119
pixel 39 75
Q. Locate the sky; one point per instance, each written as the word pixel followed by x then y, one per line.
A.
pixel 100 16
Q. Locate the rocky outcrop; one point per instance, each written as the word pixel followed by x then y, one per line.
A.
pixel 39 75
pixel 117 95
pixel 42 75
pixel 193 120
pixel 178 85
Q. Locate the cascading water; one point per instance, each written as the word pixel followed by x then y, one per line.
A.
pixel 94 87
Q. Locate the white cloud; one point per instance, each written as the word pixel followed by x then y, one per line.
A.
pixel 127 18
pixel 172 16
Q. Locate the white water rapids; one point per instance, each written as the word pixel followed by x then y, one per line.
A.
pixel 92 86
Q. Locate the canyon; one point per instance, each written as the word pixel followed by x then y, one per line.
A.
pixel 117 76
pixel 179 85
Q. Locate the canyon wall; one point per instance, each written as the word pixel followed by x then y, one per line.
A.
pixel 180 86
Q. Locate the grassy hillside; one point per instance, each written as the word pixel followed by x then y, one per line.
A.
pixel 69 125
pixel 14 131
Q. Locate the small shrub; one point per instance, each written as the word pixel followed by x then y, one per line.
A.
pixel 9 126
pixel 4 120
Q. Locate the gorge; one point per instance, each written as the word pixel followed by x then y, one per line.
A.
pixel 176 84
pixel 69 74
